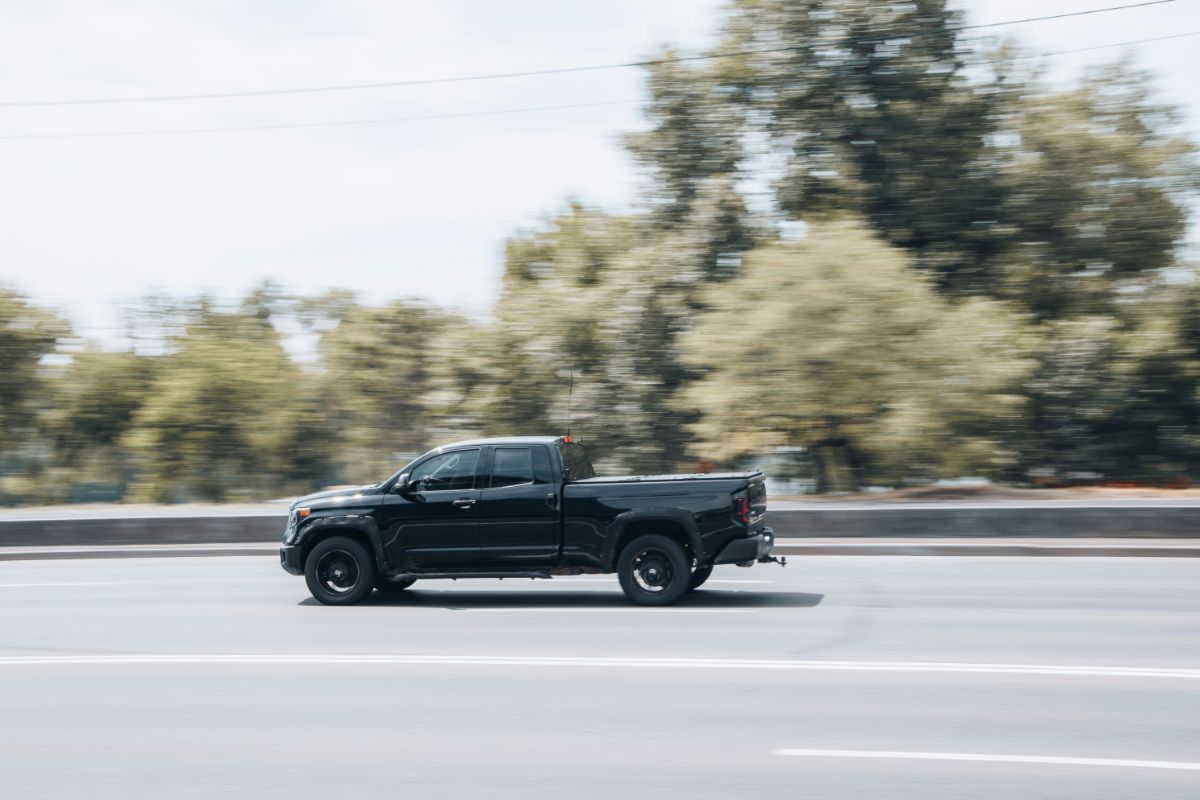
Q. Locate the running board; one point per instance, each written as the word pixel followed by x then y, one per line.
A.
pixel 472 574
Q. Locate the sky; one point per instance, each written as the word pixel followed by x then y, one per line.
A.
pixel 417 209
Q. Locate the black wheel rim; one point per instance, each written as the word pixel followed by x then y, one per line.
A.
pixel 338 572
pixel 652 571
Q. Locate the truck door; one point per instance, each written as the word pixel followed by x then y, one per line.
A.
pixel 518 508
pixel 436 525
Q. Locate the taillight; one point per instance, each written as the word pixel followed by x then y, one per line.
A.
pixel 741 510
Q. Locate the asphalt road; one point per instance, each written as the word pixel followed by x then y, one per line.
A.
pixel 863 677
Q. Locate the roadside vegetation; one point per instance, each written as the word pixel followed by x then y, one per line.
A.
pixel 862 231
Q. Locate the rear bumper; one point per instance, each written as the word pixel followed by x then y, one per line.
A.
pixel 290 559
pixel 748 550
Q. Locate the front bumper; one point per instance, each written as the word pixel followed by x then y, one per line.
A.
pixel 755 547
pixel 290 559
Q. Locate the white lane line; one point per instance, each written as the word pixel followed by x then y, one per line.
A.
pixel 935 506
pixel 714 580
pixel 609 610
pixel 611 662
pixel 1007 759
pixel 1155 544
pixel 80 583
pixel 613 579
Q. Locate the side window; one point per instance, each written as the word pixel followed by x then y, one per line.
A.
pixel 448 471
pixel 511 466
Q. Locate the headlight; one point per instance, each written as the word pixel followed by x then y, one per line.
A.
pixel 289 533
pixel 292 532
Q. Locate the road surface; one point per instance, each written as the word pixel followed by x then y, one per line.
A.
pixel 892 677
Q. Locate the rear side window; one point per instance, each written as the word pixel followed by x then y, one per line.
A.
pixel 512 466
pixel 576 462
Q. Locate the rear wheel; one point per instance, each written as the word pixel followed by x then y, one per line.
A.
pixel 339 572
pixel 653 570
pixel 392 587
pixel 699 576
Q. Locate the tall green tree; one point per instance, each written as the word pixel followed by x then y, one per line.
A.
pixel 228 415
pixel 1118 398
pixel 998 183
pixel 27 335
pixel 550 359
pixel 1092 187
pixel 868 108
pixel 90 408
pixel 396 380
pixel 851 353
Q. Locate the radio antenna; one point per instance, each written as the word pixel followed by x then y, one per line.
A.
pixel 570 389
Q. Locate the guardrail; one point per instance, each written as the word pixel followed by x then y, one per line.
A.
pixel 70 528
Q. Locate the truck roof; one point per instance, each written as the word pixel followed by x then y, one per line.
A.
pixel 506 440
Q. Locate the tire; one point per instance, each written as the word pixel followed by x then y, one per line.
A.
pixel 699 576
pixel 385 586
pixel 653 570
pixel 339 572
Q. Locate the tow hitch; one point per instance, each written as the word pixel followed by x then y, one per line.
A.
pixel 770 559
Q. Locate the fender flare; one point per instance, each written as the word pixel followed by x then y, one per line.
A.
pixel 616 530
pixel 363 523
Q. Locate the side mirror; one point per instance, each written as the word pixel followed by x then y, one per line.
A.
pixel 402 486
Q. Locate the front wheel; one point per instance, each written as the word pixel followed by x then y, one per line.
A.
pixel 653 570
pixel 339 572
pixel 699 576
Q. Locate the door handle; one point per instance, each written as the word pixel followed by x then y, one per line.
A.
pixel 552 500
pixel 464 502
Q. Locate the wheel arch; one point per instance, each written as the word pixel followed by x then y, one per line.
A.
pixel 361 529
pixel 672 523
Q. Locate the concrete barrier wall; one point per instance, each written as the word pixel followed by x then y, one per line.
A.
pixel 141 530
pixel 1159 522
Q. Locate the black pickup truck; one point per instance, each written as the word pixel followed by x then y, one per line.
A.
pixel 525 507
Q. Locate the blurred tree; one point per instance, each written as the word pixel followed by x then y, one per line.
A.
pixel 852 354
pixel 549 349
pixel 1119 398
pixel 999 184
pixel 694 136
pixel 228 415
pixel 27 335
pixel 1004 301
pixel 590 315
pixel 393 375
pixel 868 108
pixel 90 407
pixel 1092 186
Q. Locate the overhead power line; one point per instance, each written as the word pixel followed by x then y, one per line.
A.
pixel 1129 43
pixel 486 113
pixel 346 87
pixel 1062 16
pixel 333 124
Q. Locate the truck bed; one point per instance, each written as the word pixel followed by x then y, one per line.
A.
pixel 712 476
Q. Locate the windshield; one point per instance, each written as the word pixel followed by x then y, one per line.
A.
pixel 575 461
